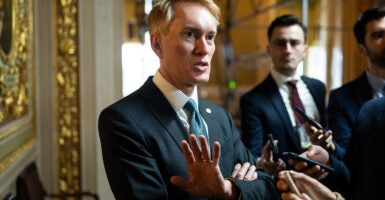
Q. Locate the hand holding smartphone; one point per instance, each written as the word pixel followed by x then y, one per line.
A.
pixel 274 147
pixel 311 163
pixel 308 119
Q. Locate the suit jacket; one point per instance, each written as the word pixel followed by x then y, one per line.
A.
pixel 263 111
pixel 342 110
pixel 363 157
pixel 140 137
pixel 365 152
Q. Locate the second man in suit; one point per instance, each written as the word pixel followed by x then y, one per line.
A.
pixel 346 101
pixel 267 108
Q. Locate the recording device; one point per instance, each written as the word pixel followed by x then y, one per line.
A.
pixel 274 147
pixel 310 163
pixel 291 183
pixel 308 119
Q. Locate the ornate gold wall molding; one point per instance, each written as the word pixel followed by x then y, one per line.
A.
pixel 67 96
pixel 16 60
pixel 12 157
pixel 16 80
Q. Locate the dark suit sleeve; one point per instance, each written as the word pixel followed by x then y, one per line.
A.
pixel 261 188
pixel 339 123
pixel 131 170
pixel 340 179
pixel 252 126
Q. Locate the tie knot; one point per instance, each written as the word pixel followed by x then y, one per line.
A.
pixel 191 106
pixel 292 83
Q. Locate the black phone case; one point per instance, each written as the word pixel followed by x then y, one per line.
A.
pixel 311 163
pixel 308 119
pixel 274 147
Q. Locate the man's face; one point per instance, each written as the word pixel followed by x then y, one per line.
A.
pixel 375 42
pixel 287 48
pixel 188 46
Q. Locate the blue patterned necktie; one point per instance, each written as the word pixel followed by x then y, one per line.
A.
pixel 197 126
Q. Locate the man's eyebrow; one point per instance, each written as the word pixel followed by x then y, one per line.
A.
pixel 377 31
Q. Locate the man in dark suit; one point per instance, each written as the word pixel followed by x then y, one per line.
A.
pixel 267 107
pixel 346 101
pixel 144 135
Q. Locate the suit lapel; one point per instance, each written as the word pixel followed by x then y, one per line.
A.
pixel 276 99
pixel 206 110
pixel 362 90
pixel 163 111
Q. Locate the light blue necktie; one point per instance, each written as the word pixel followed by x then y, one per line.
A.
pixel 197 126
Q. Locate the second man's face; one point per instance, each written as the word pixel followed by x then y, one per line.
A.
pixel 287 48
pixel 375 42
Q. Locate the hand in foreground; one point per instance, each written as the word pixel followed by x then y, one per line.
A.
pixel 316 153
pixel 246 172
pixel 267 163
pixel 309 187
pixel 205 177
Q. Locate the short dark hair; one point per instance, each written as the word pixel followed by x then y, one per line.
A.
pixel 285 20
pixel 369 15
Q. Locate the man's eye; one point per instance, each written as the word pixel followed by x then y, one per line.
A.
pixel 294 43
pixel 210 37
pixel 280 43
pixel 378 34
pixel 189 34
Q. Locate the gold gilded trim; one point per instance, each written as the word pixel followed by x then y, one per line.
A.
pixel 16 50
pixel 7 161
pixel 67 96
pixel 14 128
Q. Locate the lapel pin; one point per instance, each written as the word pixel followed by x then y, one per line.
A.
pixel 208 110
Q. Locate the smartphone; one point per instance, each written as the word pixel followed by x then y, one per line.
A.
pixel 308 119
pixel 274 147
pixel 310 162
pixel 291 184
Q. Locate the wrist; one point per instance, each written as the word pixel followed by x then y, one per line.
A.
pixel 233 189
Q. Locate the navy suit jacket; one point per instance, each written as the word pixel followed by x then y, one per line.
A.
pixel 364 156
pixel 342 110
pixel 263 111
pixel 365 152
pixel 140 137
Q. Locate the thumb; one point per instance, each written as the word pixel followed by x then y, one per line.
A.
pixel 179 182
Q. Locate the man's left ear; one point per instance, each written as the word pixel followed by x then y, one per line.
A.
pixel 361 50
pixel 155 45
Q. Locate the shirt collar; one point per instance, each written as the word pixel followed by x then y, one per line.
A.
pixel 281 79
pixel 175 97
pixel 376 82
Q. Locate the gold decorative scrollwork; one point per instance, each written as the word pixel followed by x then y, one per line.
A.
pixel 67 96
pixel 16 50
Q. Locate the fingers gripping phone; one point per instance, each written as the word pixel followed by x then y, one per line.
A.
pixel 308 119
pixel 274 147
pixel 310 163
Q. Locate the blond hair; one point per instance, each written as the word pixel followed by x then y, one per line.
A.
pixel 163 11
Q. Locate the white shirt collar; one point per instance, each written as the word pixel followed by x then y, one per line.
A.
pixel 175 97
pixel 281 79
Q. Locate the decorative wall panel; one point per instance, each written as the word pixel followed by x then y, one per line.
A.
pixel 67 96
pixel 16 80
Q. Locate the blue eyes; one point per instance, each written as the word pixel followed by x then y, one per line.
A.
pixel 195 35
